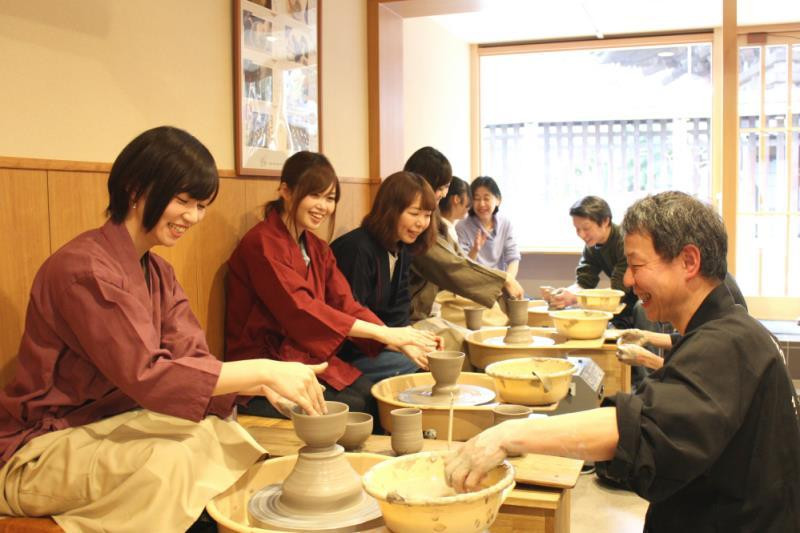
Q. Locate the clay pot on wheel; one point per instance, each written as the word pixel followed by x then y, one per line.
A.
pixel 445 368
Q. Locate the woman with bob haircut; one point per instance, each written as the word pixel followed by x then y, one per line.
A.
pixel 486 236
pixel 288 301
pixel 115 392
pixel 376 257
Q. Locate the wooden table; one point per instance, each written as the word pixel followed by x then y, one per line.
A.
pixel 530 508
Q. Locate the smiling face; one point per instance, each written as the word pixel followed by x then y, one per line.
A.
pixel 181 213
pixel 314 209
pixel 590 231
pixel 659 284
pixel 484 203
pixel 413 221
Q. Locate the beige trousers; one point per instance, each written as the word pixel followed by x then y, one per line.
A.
pixel 136 471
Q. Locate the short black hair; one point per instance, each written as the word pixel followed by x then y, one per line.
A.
pixel 592 207
pixel 673 220
pixel 432 165
pixel 490 185
pixel 158 165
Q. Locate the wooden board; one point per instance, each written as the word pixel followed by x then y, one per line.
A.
pixel 279 439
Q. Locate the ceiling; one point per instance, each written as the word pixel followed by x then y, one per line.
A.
pixel 497 21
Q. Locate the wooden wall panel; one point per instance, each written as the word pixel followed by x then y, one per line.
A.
pixel 24 245
pixel 217 237
pixel 77 203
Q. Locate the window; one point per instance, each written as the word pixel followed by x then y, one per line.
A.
pixel 768 203
pixel 614 122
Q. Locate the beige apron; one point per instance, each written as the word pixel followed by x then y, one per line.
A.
pixel 136 471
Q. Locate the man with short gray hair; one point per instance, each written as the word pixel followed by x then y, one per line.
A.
pixel 712 438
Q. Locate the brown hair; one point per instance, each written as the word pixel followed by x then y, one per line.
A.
pixel 305 173
pixel 395 195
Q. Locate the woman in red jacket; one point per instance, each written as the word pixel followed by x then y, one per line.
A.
pixel 287 300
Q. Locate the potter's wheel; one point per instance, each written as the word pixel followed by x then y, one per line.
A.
pixel 266 511
pixel 537 341
pixel 467 395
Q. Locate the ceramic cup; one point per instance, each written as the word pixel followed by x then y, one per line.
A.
pixel 445 369
pixel 359 427
pixel 517 311
pixel 473 316
pixel 509 411
pixel 406 430
pixel 320 431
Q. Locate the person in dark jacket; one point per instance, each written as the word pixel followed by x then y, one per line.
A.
pixel 712 438
pixel 376 257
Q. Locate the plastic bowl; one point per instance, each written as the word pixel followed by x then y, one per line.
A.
pixel 515 381
pixel 599 299
pixel 414 497
pixel 581 323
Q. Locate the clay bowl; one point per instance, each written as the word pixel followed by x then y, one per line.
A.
pixel 599 299
pixel 414 497
pixel 358 428
pixel 229 509
pixel 516 382
pixel 581 323
pixel 320 431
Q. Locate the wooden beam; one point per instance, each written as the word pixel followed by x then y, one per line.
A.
pixel 725 123
pixel 385 83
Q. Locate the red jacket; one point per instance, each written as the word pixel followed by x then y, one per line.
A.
pixel 280 309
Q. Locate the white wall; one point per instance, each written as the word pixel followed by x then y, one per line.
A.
pixel 80 78
pixel 436 91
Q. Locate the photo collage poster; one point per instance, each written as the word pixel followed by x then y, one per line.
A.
pixel 278 77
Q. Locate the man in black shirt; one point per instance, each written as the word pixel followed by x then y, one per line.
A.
pixel 712 439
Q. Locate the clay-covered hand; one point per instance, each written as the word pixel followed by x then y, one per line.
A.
pixel 513 288
pixel 633 354
pixel 298 383
pixel 560 298
pixel 408 336
pixel 465 468
pixel 416 354
pixel 632 336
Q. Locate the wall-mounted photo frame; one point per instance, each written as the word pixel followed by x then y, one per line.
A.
pixel 276 82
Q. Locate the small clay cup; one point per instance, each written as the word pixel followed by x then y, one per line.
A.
pixel 473 317
pixel 508 411
pixel 517 311
pixel 406 430
pixel 320 431
pixel 445 368
pixel 359 427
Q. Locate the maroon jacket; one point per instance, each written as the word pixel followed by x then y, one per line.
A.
pixel 98 343
pixel 280 309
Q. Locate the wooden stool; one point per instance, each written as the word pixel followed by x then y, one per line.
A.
pixel 29 525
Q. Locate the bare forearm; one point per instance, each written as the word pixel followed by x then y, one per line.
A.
pixel 365 330
pixel 659 340
pixel 589 435
pixel 241 376
pixel 513 269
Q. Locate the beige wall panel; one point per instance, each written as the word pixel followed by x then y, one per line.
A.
pixel 355 202
pixel 77 203
pixel 217 236
pixel 257 193
pixel 24 245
